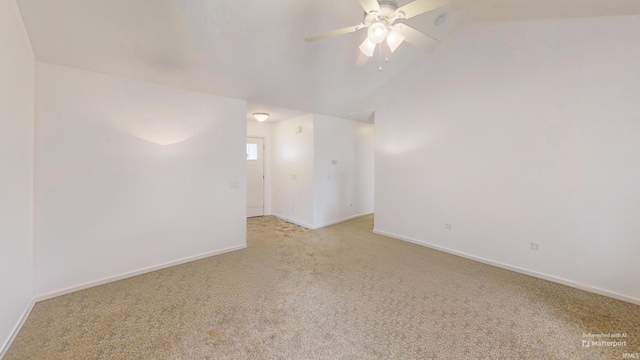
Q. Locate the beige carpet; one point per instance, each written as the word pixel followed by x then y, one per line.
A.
pixel 335 293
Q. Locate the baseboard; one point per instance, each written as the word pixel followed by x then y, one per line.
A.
pixel 341 220
pixel 285 218
pixel 517 269
pixel 311 227
pixel 103 281
pixel 16 329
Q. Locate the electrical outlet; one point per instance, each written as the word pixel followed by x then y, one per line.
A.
pixel 447 226
pixel 534 246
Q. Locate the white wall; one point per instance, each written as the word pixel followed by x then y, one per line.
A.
pixel 322 193
pixel 343 190
pixel 520 133
pixel 132 175
pixel 16 170
pixel 263 130
pixel 292 155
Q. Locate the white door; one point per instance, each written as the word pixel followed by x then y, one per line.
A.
pixel 255 177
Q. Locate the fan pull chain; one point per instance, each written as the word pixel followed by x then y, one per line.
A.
pixel 380 62
pixel 386 54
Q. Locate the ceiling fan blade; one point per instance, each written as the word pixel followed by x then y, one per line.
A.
pixel 415 37
pixel 370 5
pixel 420 7
pixel 347 30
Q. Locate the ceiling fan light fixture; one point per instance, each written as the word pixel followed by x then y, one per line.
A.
pixel 368 47
pixel 394 39
pixel 261 116
pixel 377 32
pixel 380 18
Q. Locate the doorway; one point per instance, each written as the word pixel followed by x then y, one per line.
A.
pixel 255 177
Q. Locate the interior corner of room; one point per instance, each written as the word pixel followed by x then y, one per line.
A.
pixel 318 169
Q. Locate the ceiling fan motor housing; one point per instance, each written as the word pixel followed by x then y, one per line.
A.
pixel 379 18
pixel 391 4
pixel 387 12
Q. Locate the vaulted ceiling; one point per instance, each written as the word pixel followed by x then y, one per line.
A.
pixel 255 49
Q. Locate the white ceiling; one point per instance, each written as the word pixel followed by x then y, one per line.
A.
pixel 255 49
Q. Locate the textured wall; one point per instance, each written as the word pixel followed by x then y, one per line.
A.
pixel 131 175
pixel 520 133
pixel 345 189
pixel 292 156
pixel 16 169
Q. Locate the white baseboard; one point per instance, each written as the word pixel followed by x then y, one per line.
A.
pixel 300 223
pixel 536 274
pixel 311 227
pixel 103 281
pixel 341 220
pixel 16 329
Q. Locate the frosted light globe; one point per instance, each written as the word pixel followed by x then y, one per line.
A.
pixel 377 32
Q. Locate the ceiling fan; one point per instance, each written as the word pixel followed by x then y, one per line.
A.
pixel 380 17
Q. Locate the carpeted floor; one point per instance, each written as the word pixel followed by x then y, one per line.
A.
pixel 340 292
